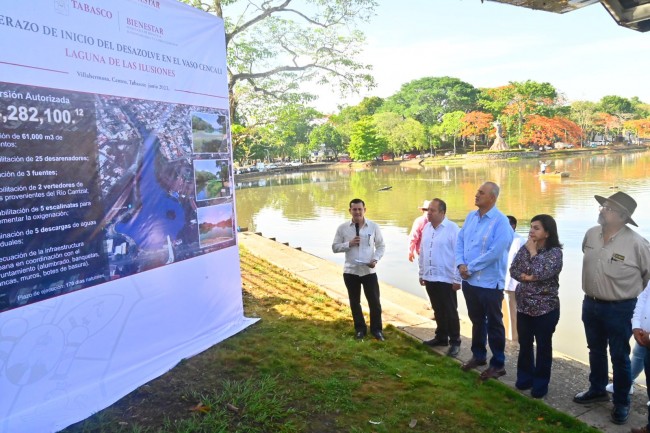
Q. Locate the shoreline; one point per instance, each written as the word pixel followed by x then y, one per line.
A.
pixel 461 159
pixel 412 315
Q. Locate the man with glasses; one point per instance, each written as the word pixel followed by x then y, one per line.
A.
pixel 615 269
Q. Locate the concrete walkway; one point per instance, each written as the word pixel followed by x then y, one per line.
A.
pixel 412 315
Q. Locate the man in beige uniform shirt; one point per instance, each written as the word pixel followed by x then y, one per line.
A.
pixel 615 269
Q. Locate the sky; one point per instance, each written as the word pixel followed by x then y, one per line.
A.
pixel 584 54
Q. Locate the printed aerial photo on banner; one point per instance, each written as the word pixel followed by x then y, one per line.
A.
pixel 107 187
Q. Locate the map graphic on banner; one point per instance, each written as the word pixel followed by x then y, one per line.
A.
pixel 97 187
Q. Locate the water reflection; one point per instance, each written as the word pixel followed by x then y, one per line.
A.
pixel 304 209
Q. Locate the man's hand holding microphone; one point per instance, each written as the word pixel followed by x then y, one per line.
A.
pixel 356 241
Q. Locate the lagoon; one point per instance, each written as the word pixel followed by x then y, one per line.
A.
pixel 304 209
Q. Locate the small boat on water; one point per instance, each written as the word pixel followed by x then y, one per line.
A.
pixel 385 188
pixel 555 174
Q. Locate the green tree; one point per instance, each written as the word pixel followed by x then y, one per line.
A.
pixel 387 123
pixel 246 143
pixel 452 125
pixel 434 138
pixel 288 135
pixel 615 105
pixel 401 134
pixel 328 136
pixel 365 141
pixel 428 99
pixel 349 115
pixel 199 124
pixel 583 114
pixel 275 46
pixel 412 134
pixel 367 107
pixel 619 107
pixel 641 109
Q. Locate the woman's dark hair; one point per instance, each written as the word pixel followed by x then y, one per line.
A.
pixel 549 225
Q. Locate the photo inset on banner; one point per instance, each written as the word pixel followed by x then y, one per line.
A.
pixel 209 132
pixel 212 179
pixel 216 225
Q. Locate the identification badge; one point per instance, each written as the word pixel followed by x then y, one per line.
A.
pixel 617 258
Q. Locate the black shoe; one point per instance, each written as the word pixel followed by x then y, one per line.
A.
pixel 453 351
pixel 589 396
pixel 619 414
pixel 359 335
pixel 523 386
pixel 436 342
pixel 473 363
pixel 493 373
pixel 378 335
pixel 539 393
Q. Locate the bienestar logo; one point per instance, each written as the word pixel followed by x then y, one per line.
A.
pixel 144 26
pixel 85 7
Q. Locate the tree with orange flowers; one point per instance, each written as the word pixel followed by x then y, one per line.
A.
pixel 476 124
pixel 568 131
pixel 640 127
pixel 545 131
pixel 608 124
pixel 518 100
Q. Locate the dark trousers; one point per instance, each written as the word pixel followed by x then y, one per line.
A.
pixel 531 372
pixel 484 310
pixel 445 306
pixel 609 323
pixel 371 289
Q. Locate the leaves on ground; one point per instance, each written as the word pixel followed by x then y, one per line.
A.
pixel 200 407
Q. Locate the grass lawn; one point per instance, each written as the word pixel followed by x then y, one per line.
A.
pixel 299 369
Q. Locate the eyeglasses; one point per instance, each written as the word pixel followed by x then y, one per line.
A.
pixel 607 209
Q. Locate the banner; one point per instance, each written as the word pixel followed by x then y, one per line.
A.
pixel 118 249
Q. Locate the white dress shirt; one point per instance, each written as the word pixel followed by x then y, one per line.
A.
pixel 372 247
pixel 641 317
pixel 437 253
pixel 517 242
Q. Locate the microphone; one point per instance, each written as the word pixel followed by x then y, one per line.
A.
pixel 356 226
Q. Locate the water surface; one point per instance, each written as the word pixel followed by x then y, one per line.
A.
pixel 304 209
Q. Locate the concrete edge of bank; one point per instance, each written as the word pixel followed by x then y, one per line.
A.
pixel 412 315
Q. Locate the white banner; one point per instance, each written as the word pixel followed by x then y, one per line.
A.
pixel 118 253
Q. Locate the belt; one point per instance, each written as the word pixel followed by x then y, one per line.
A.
pixel 603 301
